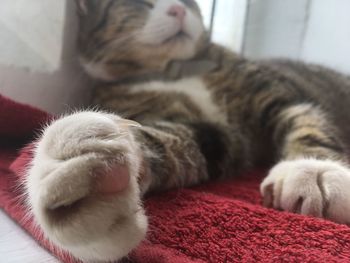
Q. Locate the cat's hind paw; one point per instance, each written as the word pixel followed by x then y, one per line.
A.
pixel 319 188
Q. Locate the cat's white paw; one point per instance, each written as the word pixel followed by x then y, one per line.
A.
pixel 310 187
pixel 82 186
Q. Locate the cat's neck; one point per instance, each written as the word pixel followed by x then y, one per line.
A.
pixel 211 57
pixel 216 53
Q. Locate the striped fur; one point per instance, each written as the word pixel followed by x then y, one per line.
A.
pixel 269 110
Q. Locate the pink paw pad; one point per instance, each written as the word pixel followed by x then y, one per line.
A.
pixel 114 181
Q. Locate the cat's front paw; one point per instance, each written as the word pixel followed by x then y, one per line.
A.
pixel 83 186
pixel 311 187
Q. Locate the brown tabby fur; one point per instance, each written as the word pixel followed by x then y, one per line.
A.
pixel 274 109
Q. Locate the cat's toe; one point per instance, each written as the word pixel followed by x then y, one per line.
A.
pixel 312 187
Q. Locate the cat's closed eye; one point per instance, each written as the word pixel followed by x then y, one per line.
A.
pixel 149 4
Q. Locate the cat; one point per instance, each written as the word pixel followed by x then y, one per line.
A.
pixel 178 110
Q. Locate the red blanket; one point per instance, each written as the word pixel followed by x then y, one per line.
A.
pixel 216 222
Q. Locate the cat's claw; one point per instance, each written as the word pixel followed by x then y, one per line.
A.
pixel 82 186
pixel 319 188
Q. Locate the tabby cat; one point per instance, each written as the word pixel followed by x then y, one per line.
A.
pixel 178 110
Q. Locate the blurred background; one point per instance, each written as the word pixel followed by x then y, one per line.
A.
pixel 38 62
pixel 37 42
pixel 316 31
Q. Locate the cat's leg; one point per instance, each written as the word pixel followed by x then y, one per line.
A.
pixel 313 177
pixel 185 154
pixel 90 170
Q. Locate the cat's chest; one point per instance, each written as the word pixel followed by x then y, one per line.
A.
pixel 193 89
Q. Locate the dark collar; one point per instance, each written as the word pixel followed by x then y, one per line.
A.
pixel 191 68
pixel 174 71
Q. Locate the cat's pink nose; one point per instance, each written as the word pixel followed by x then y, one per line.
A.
pixel 177 11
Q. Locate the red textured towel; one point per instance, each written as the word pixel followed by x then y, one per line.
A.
pixel 216 222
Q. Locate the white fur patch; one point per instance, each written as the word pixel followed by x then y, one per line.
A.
pixel 71 155
pixel 97 70
pixel 312 187
pixel 195 89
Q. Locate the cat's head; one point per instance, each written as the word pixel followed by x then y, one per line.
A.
pixel 123 38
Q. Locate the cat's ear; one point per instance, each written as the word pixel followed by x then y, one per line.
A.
pixel 82 7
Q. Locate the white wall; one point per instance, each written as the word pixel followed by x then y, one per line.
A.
pixel 317 31
pixel 327 38
pixel 229 21
pixel 31 34
pixel 39 64
pixel 206 8
pixel 275 28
